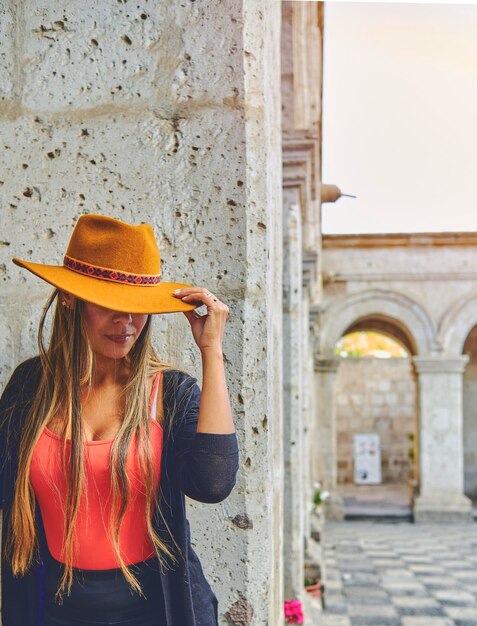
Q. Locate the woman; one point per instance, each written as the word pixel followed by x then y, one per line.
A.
pixel 100 440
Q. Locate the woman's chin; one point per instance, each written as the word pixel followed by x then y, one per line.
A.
pixel 113 352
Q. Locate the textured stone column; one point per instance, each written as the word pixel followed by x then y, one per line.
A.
pixel 307 410
pixel 293 439
pixel 441 446
pixel 326 444
pixel 168 113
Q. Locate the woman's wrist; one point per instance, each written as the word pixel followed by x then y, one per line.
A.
pixel 212 352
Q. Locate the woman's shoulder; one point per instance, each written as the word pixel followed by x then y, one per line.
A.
pixel 178 377
pixel 179 387
pixel 25 376
pixel 18 394
pixel 29 367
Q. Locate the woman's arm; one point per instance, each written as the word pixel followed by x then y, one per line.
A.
pixel 215 415
pixel 208 454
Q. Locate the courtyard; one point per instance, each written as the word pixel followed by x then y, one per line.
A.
pixel 400 574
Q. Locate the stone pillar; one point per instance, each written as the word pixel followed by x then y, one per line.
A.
pixel 293 436
pixel 167 113
pixel 441 446
pixel 326 445
pixel 307 409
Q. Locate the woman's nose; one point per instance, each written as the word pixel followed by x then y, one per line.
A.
pixel 119 317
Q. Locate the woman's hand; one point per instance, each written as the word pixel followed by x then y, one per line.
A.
pixel 208 330
pixel 215 412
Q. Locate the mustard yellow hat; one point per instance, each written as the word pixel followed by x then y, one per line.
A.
pixel 115 265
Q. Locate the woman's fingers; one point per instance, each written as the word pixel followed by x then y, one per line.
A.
pixel 202 296
pixel 199 292
pixel 207 329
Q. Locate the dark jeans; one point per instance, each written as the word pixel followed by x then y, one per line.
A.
pixel 100 597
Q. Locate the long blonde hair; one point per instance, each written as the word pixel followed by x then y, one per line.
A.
pixel 69 350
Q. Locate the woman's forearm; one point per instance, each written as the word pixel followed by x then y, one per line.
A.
pixel 215 413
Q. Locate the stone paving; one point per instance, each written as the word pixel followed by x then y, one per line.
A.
pixel 400 574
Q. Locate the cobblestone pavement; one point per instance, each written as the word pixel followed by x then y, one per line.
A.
pixel 400 574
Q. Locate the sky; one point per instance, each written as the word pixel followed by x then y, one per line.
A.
pixel 400 116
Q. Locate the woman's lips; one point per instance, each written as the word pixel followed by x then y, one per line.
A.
pixel 119 338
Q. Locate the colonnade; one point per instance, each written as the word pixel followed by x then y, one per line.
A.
pixel 440 437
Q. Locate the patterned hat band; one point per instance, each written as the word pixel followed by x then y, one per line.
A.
pixel 115 276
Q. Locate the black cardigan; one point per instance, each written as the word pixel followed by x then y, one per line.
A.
pixel 202 466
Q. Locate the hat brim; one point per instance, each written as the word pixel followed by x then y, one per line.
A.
pixel 116 296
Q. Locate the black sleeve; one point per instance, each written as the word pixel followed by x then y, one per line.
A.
pixel 207 463
pixel 14 401
pixel 6 404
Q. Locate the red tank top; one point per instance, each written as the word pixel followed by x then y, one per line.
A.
pixel 50 483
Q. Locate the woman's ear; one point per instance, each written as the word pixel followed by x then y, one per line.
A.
pixel 67 299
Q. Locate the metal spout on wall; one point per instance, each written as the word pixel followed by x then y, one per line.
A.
pixel 331 193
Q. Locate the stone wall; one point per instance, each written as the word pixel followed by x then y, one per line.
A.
pixel 378 396
pixel 167 113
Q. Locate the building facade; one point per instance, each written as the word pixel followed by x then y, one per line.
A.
pixel 419 289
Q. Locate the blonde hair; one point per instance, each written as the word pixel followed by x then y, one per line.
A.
pixel 69 350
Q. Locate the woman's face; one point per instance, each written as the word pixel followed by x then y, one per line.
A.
pixel 112 334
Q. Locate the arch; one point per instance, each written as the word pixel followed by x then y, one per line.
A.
pixel 390 312
pixel 384 325
pixel 456 324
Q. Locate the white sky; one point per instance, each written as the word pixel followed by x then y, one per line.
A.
pixel 400 116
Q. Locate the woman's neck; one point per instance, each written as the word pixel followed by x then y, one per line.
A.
pixel 109 371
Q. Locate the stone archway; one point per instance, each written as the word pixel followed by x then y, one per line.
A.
pixel 470 416
pixel 384 311
pixel 440 442
pixel 456 324
pixel 404 317
pixel 379 396
pixel 458 335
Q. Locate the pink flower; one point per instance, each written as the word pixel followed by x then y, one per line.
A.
pixel 293 612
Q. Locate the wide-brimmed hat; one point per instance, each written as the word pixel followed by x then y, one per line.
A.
pixel 115 265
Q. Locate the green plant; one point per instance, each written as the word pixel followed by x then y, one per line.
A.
pixel 319 496
pixel 411 438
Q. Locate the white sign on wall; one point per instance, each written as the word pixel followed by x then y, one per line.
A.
pixel 367 459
